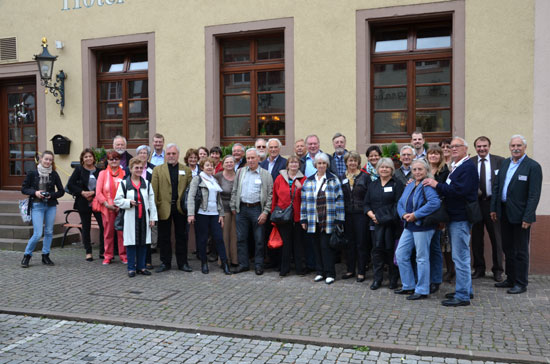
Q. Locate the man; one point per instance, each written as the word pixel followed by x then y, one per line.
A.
pixel 157 157
pixel 261 147
pixel 251 203
pixel 403 173
pixel 488 166
pixel 300 148
pixel 339 144
pixel 119 144
pixel 274 162
pixel 313 147
pixel 169 182
pixel 516 194
pixel 417 141
pixel 238 153
pixel 459 189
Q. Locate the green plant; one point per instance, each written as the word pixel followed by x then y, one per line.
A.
pixel 391 151
pixel 362 348
pixel 100 154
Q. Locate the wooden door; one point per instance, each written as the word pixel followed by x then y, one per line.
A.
pixel 18 132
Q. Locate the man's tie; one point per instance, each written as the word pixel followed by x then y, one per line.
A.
pixel 482 179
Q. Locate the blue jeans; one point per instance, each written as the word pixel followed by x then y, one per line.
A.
pixel 459 233
pixel 42 215
pixel 436 259
pixel 420 241
pixel 208 224
pixel 136 257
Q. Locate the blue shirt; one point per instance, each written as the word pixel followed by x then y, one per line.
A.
pixel 340 164
pixel 252 184
pixel 509 173
pixel 157 159
pixel 310 169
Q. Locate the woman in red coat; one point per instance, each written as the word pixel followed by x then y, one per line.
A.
pixel 286 189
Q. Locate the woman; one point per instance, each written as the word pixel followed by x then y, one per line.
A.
pixel 440 241
pixel 445 145
pixel 191 160
pixel 82 186
pixel 225 180
pixel 373 156
pixel 143 152
pixel 416 203
pixel 322 208
pixel 287 190
pixel 203 153
pixel 355 186
pixel 136 197
pixel 381 206
pixel 44 187
pixel 215 154
pixel 106 188
pixel 209 215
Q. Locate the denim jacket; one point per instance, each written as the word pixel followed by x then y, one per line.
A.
pixel 421 207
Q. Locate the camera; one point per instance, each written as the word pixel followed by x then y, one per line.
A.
pixel 46 195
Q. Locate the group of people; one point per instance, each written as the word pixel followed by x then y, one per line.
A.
pixel 408 215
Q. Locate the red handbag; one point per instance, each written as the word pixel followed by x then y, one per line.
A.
pixel 275 240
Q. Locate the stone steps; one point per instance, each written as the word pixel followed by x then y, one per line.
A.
pixel 20 244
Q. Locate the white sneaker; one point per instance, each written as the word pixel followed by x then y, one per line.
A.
pixel 318 278
pixel 329 280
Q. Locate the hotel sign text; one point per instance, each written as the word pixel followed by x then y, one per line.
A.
pixel 88 3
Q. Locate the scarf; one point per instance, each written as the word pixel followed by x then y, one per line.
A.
pixel 210 182
pixel 371 171
pixel 113 184
pixel 351 177
pixel 44 174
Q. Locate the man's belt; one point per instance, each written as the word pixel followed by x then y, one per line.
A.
pixel 250 204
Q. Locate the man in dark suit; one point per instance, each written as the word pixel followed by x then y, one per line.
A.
pixel 516 194
pixel 274 161
pixel 238 154
pixel 488 166
pixel 120 144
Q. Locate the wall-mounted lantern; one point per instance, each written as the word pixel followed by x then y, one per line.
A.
pixel 45 63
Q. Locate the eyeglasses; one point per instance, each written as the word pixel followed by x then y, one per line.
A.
pixel 261 147
pixel 446 147
pixel 113 159
pixel 456 146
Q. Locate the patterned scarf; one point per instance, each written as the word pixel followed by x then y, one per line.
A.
pixel 44 174
pixel 371 171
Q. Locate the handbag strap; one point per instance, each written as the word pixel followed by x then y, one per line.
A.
pixel 291 193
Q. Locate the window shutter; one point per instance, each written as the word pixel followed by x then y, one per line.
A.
pixel 8 49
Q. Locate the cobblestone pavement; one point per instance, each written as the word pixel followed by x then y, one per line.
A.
pixel 497 326
pixel 31 339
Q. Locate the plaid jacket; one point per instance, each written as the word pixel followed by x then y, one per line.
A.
pixel 335 203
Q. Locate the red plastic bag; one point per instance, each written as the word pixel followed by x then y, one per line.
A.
pixel 275 240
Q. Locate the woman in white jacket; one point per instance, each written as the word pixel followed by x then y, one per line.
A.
pixel 136 197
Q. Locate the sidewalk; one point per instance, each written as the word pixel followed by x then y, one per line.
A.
pixel 497 326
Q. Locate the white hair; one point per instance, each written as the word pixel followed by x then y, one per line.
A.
pixel 173 145
pixel 275 140
pixel 406 147
pixel 321 157
pixel 524 141
pixel 252 150
pixel 464 142
pixel 424 164
pixel 236 145
pixel 146 147
pixel 120 137
pixel 385 162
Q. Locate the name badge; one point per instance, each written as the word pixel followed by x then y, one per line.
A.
pixel 150 170
pixel 522 178
pixel 388 189
pixel 345 181
pixel 448 181
pixel 324 187
pixel 258 181
pixel 496 172
pixel 182 173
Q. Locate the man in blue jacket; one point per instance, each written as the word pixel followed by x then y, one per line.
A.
pixel 461 187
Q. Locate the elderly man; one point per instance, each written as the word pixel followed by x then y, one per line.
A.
pixel 119 144
pixel 261 147
pixel 417 141
pixel 251 203
pixel 169 182
pixel 459 189
pixel 403 173
pixel 238 153
pixel 157 157
pixel 300 148
pixel 339 144
pixel 488 166
pixel 313 147
pixel 516 194
pixel 274 162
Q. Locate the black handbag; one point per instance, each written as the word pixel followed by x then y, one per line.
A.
pixel 437 217
pixel 284 216
pixel 119 220
pixel 473 211
pixel 338 239
pixel 198 199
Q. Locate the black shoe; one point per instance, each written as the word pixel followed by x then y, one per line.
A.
pixel 233 265
pixel 393 285
pixel 516 290
pixel 375 285
pixel 89 258
pixel 241 269
pixel 225 268
pixel 145 272
pixel 404 291
pixel 259 271
pixel 46 259
pixel 185 267
pixel 504 284
pixel 452 295
pixel 434 287
pixel 149 266
pixel 417 296
pixel 498 277
pixel 101 256
pixel 348 275
pixel 132 273
pixel 478 274
pixel 162 268
pixel 453 302
pixel 204 268
pixel 25 261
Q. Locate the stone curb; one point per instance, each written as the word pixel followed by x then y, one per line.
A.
pixel 260 335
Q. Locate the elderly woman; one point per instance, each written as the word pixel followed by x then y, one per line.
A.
pixel 373 156
pixel 209 215
pixel 191 160
pixel 417 202
pixel 380 206
pixel 82 185
pixel 287 190
pixel 322 208
pixel 44 187
pixel 107 185
pixel 354 186
pixel 136 197
pixel 203 153
pixel 225 180
pixel 143 152
pixel 445 145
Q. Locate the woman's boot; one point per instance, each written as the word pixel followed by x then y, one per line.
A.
pixel 225 267
pixel 204 268
pixel 46 259
pixel 26 260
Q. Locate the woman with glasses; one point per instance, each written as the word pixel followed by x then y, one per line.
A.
pixel 143 152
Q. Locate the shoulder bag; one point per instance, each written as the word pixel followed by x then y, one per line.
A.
pixel 338 239
pixel 119 220
pixel 439 216
pixel 284 216
pixel 473 211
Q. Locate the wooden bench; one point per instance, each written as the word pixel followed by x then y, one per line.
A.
pixel 70 225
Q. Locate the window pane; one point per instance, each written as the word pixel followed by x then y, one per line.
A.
pixel 436 120
pixel 29 117
pixel 433 71
pixel 29 134
pixel 12 120
pixel 236 51
pixel 390 122
pixel 14 134
pixel 138 62
pixel 138 109
pixel 110 110
pixel 433 96
pixel 138 89
pixel 138 130
pixel 110 90
pixel 109 130
pixel 271 125
pixel 28 99
pixel 271 81
pixel 271 48
pixel 15 151
pixel 236 105
pixel 12 100
pixel 236 83
pixel 238 126
pixel 390 98
pixel 113 63
pixel 30 150
pixel 390 74
pixel 395 40
pixel 271 103
pixel 15 168
pixel 29 166
pixel 433 38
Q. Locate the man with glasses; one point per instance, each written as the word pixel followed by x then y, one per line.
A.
pixel 261 147
pixel 238 153
pixel 403 173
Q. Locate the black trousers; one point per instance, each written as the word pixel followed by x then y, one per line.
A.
pixel 165 245
pixel 478 242
pixel 324 254
pixel 356 229
pixel 515 242
pixel 86 221
pixel 292 235
pixel 383 254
